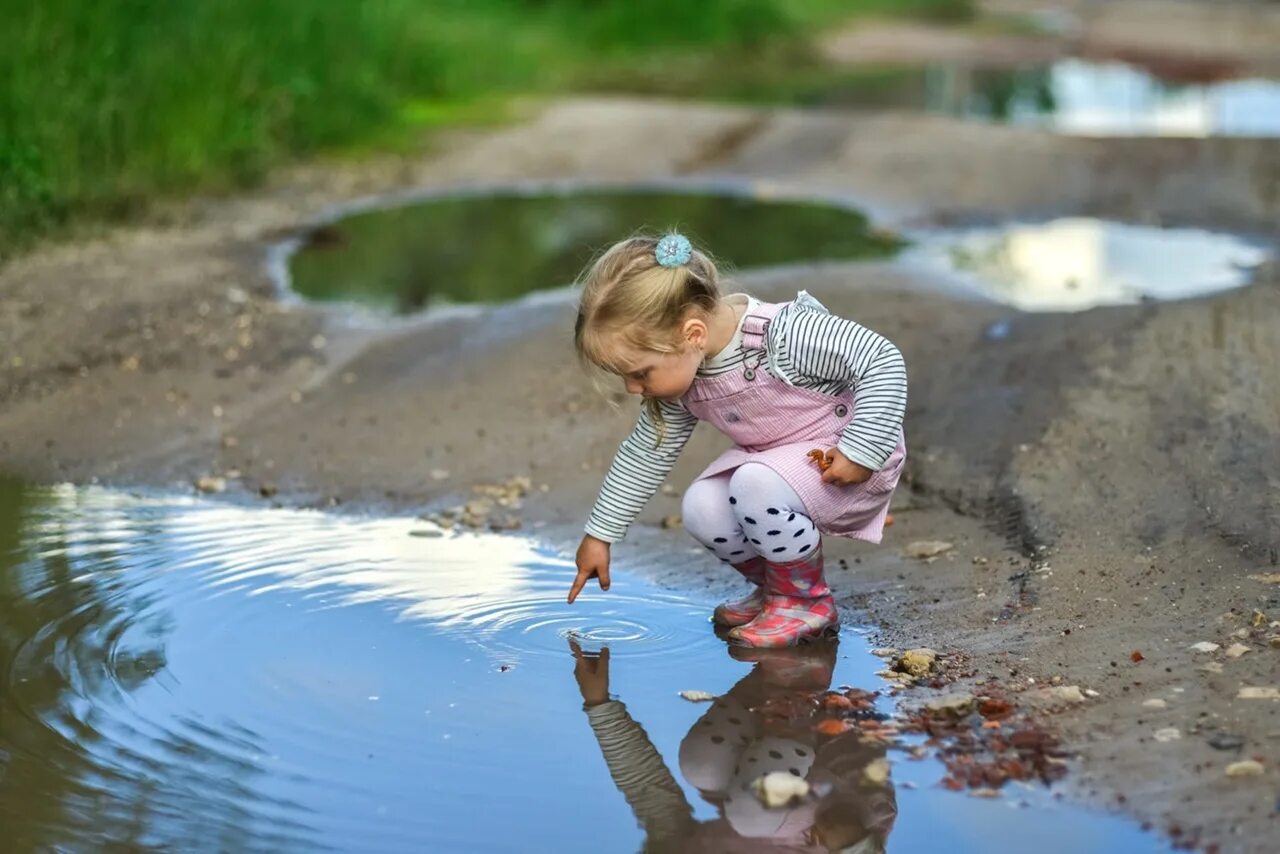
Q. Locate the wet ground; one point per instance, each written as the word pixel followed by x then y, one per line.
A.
pixel 1106 477
pixel 177 670
pixel 1026 428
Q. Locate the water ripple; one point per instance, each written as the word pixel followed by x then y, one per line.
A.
pixel 163 652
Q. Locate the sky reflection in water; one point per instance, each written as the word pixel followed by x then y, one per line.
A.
pixel 1079 263
pixel 185 673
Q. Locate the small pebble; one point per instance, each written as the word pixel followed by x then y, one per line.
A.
pixel 1245 768
pixel 1225 741
pixel 778 789
pixel 697 696
pixel 209 483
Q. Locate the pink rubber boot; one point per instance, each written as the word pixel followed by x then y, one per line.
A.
pixel 744 610
pixel 797 606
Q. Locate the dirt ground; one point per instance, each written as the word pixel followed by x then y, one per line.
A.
pixel 1109 479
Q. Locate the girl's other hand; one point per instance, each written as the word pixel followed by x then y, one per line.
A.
pixel 593 561
pixel 843 471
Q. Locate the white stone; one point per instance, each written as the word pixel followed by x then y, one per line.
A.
pixel 211 484
pixel 921 549
pixel 1245 768
pixel 697 696
pixel 778 789
pixel 877 771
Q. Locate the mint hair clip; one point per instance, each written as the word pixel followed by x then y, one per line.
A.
pixel 673 250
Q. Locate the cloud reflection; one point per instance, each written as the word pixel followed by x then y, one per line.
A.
pixel 1078 263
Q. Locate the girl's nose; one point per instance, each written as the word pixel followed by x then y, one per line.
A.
pixel 634 387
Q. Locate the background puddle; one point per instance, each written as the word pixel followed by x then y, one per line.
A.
pixel 1078 263
pixel 1072 96
pixel 255 680
pixel 499 246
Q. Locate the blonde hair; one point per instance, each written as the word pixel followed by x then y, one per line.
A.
pixel 628 300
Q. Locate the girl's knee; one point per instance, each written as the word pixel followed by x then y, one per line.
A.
pixel 756 482
pixel 705 511
pixel 695 498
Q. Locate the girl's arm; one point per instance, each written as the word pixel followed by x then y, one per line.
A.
pixel 820 349
pixel 638 470
pixel 636 766
pixel 640 773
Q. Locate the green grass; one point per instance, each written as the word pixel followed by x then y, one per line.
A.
pixel 107 104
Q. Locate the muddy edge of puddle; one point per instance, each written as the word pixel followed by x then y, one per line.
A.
pixel 1113 470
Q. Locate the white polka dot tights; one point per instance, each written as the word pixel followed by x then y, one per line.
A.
pixel 747 512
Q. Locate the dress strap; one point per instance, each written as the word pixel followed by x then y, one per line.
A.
pixel 755 326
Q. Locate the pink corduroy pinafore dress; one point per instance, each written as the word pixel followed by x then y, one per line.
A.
pixel 777 424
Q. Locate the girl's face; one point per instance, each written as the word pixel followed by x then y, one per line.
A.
pixel 666 376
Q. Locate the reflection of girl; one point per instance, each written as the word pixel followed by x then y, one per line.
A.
pixel 732 745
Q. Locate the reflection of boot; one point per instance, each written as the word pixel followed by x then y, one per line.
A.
pixel 798 606
pixel 809 667
pixel 746 609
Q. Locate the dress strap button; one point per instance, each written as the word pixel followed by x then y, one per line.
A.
pixel 841 411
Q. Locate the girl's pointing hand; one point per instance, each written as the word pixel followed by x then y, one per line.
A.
pixel 843 471
pixel 593 561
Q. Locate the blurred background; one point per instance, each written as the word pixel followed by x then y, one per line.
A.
pixel 106 103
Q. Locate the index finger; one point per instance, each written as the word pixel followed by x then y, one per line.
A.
pixel 576 587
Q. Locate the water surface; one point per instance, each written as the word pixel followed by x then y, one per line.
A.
pixel 497 246
pixel 1071 96
pixel 1078 263
pixel 179 674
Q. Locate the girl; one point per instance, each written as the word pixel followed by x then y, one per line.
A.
pixel 780 380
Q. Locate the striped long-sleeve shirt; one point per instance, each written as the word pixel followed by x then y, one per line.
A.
pixel 807 347
pixel 641 775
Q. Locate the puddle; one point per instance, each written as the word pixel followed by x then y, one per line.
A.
pixel 498 246
pixel 1075 264
pixel 279 680
pixel 1072 96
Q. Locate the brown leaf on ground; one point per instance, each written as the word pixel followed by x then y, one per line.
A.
pixel 838 703
pixel 993 708
pixel 832 726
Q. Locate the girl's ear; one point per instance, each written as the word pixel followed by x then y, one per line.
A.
pixel 695 332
